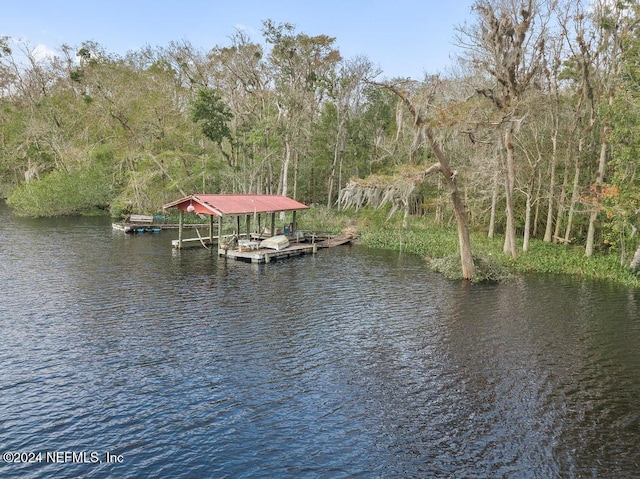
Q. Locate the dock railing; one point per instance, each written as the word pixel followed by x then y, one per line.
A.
pixel 315 235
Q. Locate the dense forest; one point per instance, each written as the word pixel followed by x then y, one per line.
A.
pixel 533 132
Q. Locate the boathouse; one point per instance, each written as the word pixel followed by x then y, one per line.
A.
pixel 248 209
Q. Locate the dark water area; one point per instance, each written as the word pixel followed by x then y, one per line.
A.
pixel 120 357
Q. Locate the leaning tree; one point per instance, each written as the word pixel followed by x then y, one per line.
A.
pixel 403 187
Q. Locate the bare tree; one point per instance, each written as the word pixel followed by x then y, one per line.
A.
pixel 507 45
pixel 241 74
pixel 345 90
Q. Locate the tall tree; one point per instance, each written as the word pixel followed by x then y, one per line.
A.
pixel 213 116
pixel 505 45
pixel 240 73
pixel 301 64
pixel 610 19
pixel 344 90
pixel 621 195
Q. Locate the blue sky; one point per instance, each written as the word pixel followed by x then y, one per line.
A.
pixel 403 37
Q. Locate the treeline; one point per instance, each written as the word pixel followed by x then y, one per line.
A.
pixel 539 119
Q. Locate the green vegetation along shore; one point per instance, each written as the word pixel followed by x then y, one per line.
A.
pixel 439 246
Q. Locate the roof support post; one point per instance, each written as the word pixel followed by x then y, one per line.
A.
pixel 180 224
pixel 273 224
pixel 222 246
pixel 211 230
pixel 294 225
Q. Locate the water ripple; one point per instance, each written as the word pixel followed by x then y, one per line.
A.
pixel 351 363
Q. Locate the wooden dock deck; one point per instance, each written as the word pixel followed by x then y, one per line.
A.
pixel 193 242
pixel 266 255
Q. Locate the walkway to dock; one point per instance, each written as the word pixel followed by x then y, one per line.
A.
pixel 334 241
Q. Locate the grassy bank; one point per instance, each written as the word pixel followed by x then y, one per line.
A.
pixel 439 246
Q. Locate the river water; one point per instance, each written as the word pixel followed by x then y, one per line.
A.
pixel 120 357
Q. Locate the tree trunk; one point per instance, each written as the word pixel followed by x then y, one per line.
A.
pixel 575 194
pixel 548 231
pixel 594 213
pixel 561 204
pixel 439 205
pixel 591 232
pixel 635 262
pixel 285 168
pixel 527 225
pixel 459 210
pixel 527 217
pixel 332 176
pixel 296 167
pixel 510 233
pixel 537 201
pixel 494 203
pixel 623 249
pixel 336 156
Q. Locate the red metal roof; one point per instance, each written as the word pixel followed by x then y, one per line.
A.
pixel 221 205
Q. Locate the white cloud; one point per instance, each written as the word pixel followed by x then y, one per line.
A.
pixel 42 52
pixel 244 28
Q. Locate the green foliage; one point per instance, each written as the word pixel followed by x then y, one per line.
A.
pixel 322 219
pixel 488 269
pixel 620 196
pixel 439 246
pixel 104 155
pixel 154 180
pixel 379 230
pixel 212 114
pixel 60 193
pixel 4 45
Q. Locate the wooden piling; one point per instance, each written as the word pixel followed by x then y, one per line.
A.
pixel 180 224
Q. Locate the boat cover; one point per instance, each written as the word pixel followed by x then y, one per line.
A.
pixel 277 242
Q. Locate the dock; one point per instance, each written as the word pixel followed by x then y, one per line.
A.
pixel 332 241
pixel 257 244
pixel 133 228
pixel 191 242
pixel 266 255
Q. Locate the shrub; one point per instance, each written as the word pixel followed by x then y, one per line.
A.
pixel 60 193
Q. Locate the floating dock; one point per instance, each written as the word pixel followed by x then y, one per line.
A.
pixel 321 241
pixel 266 255
pixel 152 228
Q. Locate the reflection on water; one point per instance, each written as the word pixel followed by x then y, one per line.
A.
pixel 350 363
